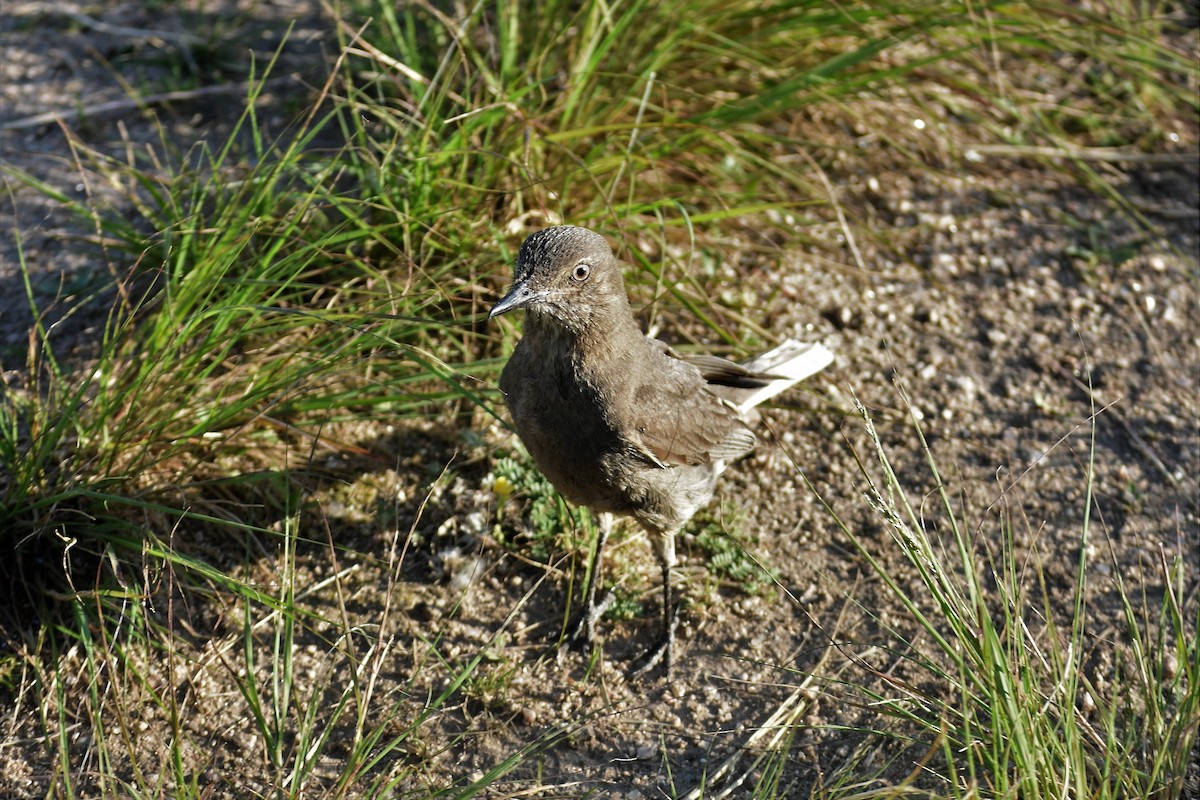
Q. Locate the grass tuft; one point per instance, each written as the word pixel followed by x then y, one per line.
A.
pixel 994 688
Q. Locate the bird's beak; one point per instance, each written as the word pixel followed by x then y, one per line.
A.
pixel 518 297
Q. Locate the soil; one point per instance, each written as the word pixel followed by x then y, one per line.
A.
pixel 1034 331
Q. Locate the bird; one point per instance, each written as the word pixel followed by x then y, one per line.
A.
pixel 620 422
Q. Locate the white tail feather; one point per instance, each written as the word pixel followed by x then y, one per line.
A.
pixel 792 362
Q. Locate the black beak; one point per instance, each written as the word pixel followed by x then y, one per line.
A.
pixel 518 297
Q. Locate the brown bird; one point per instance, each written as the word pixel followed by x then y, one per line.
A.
pixel 620 422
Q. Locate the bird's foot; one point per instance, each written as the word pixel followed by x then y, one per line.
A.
pixel 660 653
pixel 583 632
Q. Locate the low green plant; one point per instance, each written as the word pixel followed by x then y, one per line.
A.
pixel 549 523
pixel 728 555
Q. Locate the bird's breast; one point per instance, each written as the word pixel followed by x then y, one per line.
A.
pixel 562 419
pixel 580 419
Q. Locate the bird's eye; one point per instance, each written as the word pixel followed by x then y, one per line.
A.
pixel 582 272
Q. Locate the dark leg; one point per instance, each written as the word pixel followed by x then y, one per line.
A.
pixel 661 652
pixel 584 630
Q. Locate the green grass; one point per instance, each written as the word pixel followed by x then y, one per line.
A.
pixel 991 679
pixel 271 295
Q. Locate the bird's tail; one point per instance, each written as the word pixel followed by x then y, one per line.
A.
pixel 784 366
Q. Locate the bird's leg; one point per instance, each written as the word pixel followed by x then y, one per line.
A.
pixel 661 652
pixel 584 630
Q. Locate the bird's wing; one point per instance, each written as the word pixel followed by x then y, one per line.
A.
pixel 716 370
pixel 677 420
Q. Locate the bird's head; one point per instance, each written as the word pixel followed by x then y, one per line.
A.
pixel 568 276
